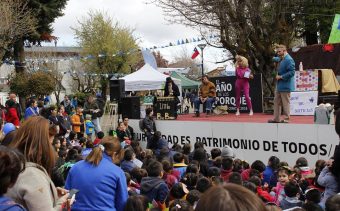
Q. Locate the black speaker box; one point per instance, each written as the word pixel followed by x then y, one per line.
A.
pixel 117 89
pixel 129 107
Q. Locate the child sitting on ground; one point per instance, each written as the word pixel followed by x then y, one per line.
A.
pixel 292 191
pixel 313 198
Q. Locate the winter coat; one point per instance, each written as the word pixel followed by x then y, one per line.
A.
pixel 105 189
pixel 286 69
pixel 127 166
pixel 327 180
pixel 8 204
pixel 12 116
pixel 154 188
pixel 76 122
pixel 35 190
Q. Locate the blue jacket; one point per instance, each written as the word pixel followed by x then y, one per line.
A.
pixel 9 205
pixel 89 127
pixel 154 188
pixel 31 112
pixel 269 177
pixel 101 188
pixel 286 69
pixel 127 166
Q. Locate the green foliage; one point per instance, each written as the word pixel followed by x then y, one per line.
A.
pixel 109 42
pixel 46 11
pixel 39 83
pixel 18 83
pixel 81 97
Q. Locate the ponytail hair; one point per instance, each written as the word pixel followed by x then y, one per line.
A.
pixel 109 145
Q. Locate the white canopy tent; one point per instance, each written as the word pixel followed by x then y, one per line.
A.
pixel 147 78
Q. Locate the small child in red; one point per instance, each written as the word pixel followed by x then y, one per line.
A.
pixel 99 137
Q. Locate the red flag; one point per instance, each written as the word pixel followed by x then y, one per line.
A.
pixel 328 48
pixel 195 54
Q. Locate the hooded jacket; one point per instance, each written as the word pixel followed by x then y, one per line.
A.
pixel 154 188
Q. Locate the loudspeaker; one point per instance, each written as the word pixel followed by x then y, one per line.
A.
pixel 129 107
pixel 117 89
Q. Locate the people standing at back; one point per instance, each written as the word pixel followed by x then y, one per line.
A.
pixel 12 115
pixel 32 110
pixel 77 120
pixel 243 74
pixel 149 128
pixel 91 107
pixel 207 94
pixel 13 97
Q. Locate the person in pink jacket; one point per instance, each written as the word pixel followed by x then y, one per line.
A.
pixel 243 74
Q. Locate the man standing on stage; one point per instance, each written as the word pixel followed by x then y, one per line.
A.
pixel 207 95
pixel 285 84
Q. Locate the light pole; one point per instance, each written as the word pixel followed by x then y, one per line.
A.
pixel 202 46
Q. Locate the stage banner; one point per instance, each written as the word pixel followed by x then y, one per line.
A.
pixel 225 93
pixel 303 103
pixel 252 141
pixel 306 80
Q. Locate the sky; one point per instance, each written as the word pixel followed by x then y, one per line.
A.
pixel 147 20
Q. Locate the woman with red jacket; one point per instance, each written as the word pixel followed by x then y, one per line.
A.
pixel 12 113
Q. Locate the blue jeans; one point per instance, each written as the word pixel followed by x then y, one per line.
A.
pixel 208 104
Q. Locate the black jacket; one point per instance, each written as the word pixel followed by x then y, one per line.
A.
pixel 175 90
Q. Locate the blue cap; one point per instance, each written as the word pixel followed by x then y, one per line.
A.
pixel 8 127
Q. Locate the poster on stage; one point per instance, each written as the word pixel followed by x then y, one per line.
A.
pixel 306 80
pixel 225 93
pixel 303 103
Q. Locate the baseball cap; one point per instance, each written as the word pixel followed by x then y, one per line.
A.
pixel 227 152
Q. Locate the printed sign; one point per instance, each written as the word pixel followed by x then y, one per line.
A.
pixel 225 93
pixel 165 108
pixel 252 141
pixel 303 103
pixel 306 80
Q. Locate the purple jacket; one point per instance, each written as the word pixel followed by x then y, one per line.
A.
pixel 327 179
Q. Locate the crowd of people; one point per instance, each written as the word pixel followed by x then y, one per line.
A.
pixel 47 158
pixel 58 158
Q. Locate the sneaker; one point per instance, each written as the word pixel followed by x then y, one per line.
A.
pixel 284 121
pixel 251 113
pixel 272 121
pixel 237 113
pixel 197 114
pixel 208 112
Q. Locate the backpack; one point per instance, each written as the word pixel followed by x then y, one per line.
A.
pixel 141 125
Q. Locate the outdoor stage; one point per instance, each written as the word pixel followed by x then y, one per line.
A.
pixel 251 137
pixel 244 117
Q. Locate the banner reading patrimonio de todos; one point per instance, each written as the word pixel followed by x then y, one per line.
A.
pixel 252 141
pixel 225 93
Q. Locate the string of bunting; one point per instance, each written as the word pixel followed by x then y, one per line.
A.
pixel 120 53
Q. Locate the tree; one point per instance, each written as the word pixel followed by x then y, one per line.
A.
pixel 246 27
pixel 38 83
pixel 110 46
pixel 316 20
pixel 41 83
pixel 45 12
pixel 16 21
pixel 83 80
